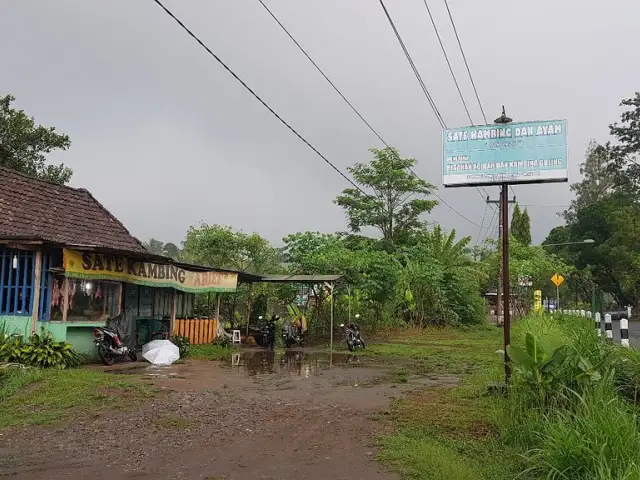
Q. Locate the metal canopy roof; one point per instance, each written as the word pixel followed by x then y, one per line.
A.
pixel 310 279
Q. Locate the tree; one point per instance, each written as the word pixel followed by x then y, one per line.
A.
pixel 624 154
pixel 154 246
pixel 614 259
pixel 597 179
pixel 524 236
pixel 24 145
pixel 220 247
pixel 171 250
pixel 441 280
pixel 521 225
pixel 397 200
pixel 165 249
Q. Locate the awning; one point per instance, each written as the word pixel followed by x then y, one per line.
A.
pixel 101 266
pixel 308 279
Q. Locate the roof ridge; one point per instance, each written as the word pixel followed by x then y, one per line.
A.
pixel 26 176
pixel 112 216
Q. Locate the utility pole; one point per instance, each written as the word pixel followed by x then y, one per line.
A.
pixel 500 234
pixel 504 207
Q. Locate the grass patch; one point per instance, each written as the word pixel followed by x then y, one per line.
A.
pixel 211 351
pixel 447 432
pixel 48 397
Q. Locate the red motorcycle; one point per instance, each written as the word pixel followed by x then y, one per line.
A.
pixel 109 346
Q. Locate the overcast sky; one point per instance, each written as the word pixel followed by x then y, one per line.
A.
pixel 165 138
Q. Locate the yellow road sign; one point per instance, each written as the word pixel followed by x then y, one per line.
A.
pixel 557 279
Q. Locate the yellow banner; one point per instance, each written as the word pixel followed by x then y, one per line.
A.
pixel 537 301
pixel 122 269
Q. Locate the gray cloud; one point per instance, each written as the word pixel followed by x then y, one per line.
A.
pixel 165 138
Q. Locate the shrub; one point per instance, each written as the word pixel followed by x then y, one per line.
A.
pixel 11 348
pixel 40 351
pixel 183 344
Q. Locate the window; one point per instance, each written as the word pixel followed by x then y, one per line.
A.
pixel 88 300
pixel 16 281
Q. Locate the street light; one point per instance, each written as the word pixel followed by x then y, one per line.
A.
pixel 588 240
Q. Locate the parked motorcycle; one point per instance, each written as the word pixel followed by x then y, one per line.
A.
pixel 269 332
pixel 109 346
pixel 352 335
pixel 292 336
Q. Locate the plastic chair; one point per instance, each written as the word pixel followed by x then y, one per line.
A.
pixel 236 338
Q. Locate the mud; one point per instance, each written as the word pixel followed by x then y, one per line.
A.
pixel 260 415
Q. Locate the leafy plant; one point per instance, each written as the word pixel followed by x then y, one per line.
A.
pixel 11 348
pixel 43 352
pixel 540 365
pixel 183 344
pixel 40 351
pixel 223 341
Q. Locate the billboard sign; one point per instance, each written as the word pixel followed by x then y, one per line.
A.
pixel 527 152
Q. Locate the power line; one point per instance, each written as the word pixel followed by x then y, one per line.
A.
pixel 489 226
pixel 257 97
pixel 446 57
pixel 422 84
pixel 413 67
pixel 464 57
pixel 326 77
pixel 456 211
pixel 322 72
pixel 466 63
pixel 484 215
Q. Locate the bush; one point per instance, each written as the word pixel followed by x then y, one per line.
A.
pixel 183 344
pixel 40 351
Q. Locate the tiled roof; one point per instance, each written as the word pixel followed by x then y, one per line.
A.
pixel 37 209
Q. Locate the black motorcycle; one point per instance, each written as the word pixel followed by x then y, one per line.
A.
pixel 353 337
pixel 269 333
pixel 110 347
pixel 291 336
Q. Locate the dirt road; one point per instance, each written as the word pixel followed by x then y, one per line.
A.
pixel 251 418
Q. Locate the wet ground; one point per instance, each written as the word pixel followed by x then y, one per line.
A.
pixel 304 414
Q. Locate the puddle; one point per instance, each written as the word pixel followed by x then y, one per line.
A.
pixel 293 363
pixel 144 370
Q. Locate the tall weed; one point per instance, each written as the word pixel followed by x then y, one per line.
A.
pixel 595 438
pixel 585 425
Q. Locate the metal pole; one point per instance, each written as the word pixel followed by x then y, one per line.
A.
pixel 504 198
pixel 499 292
pixel 557 297
pixel 331 333
pixel 349 295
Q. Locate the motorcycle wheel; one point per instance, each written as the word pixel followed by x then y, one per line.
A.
pixel 350 345
pixel 362 344
pixel 133 356
pixel 105 355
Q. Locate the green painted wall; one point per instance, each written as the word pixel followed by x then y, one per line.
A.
pixel 81 339
pixel 16 324
pixel 58 330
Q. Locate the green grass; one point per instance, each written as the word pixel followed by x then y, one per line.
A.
pixel 447 432
pixel 211 351
pixel 48 397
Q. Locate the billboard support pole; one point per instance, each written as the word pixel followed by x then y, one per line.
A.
pixel 504 210
pixel 504 204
